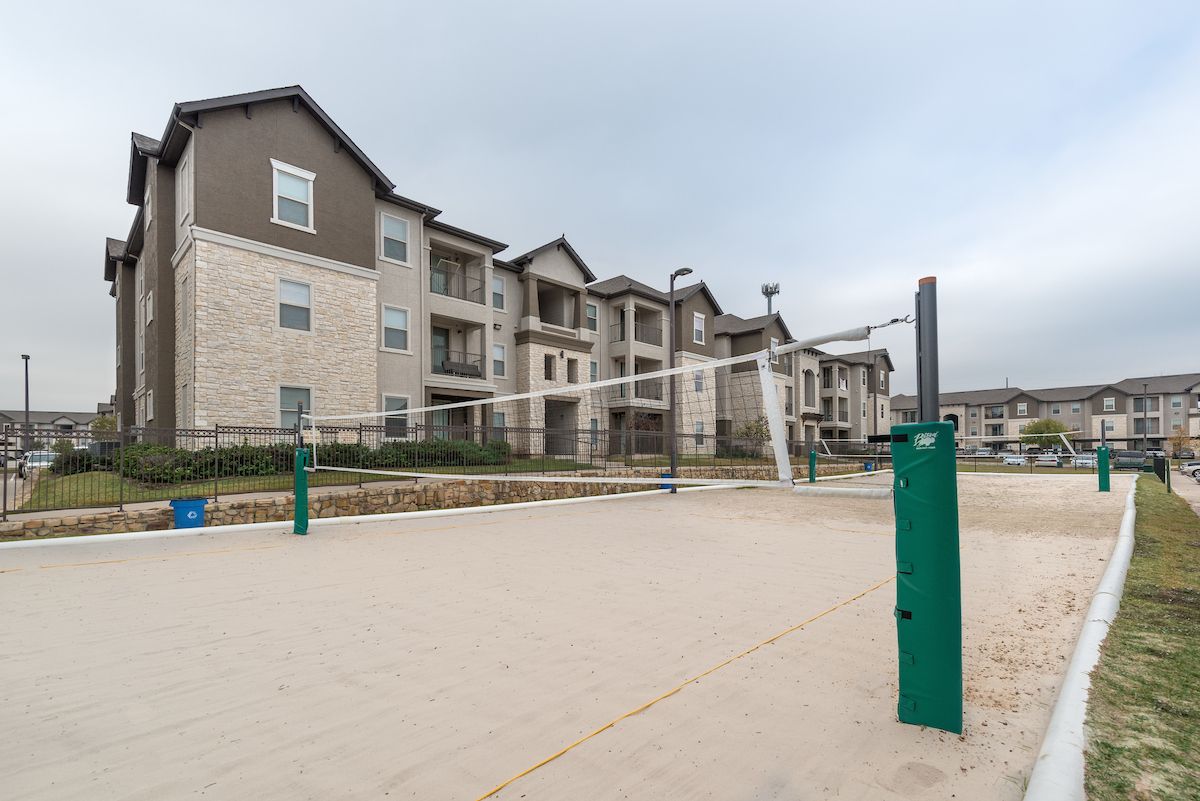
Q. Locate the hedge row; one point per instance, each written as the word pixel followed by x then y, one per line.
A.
pixel 161 464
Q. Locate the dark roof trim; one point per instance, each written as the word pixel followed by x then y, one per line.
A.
pixel 505 265
pixel 561 242
pixel 686 292
pixel 391 197
pixel 114 253
pixel 190 112
pixel 478 239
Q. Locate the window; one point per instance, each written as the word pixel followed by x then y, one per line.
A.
pixel 1075 408
pixel 593 371
pixel 393 239
pixel 147 209
pixel 150 307
pixel 184 307
pixel 293 192
pixel 881 411
pixel 1176 401
pixel 864 376
pixel 698 328
pixel 499 424
pixel 1109 425
pixel 295 305
pixel 698 380
pixel 183 189
pixel 498 360
pixel 289 397
pixel 184 406
pixel 1022 409
pixel 974 413
pixel 1055 409
pixel 395 426
pixel 548 367
pixel 774 347
pixel 593 317
pixel 594 427
pixel 572 371
pixel 864 411
pixel 498 292
pixel 882 379
pixel 698 430
pixel 974 432
pixel 118 351
pixel 1110 404
pixel 149 405
pixel 993 412
pixel 395 328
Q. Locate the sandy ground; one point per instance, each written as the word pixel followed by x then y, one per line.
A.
pixel 441 657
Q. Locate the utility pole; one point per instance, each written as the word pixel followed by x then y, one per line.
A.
pixel 28 443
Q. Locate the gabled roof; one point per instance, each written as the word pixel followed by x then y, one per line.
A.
pixel 561 242
pixel 114 253
pixel 903 402
pixel 732 325
pixel 686 292
pixel 860 357
pixel 48 418
pixel 1159 384
pixel 1058 394
pixel 624 285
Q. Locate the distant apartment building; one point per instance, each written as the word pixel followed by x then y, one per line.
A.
pixel 270 262
pixel 855 395
pixel 1133 410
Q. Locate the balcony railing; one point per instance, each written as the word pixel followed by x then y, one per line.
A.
pixel 648 389
pixel 989 414
pixel 455 284
pixel 642 332
pixel 457 363
pixel 616 332
pixel 843 417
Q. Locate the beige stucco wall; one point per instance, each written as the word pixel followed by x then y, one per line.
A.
pixel 242 356
pixel 185 326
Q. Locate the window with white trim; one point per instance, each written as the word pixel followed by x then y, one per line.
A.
pixel 149 405
pixel 1022 409
pixel 1176 401
pixel 1075 408
pixel 499 360
pixel 395 426
pixel 118 350
pixel 395 328
pixel 594 427
pixel 697 328
pixel 864 411
pixel 498 292
pixel 499 426
pixel 147 209
pixel 774 348
pixel 593 371
pixel 183 189
pixel 295 305
pixel 289 397
pixel 593 317
pixel 150 307
pixel 393 238
pixel 882 379
pixel 1110 425
pixel 1055 409
pixel 292 190
pixel 698 380
pixel 1110 404
pixel 864 376
pixel 698 430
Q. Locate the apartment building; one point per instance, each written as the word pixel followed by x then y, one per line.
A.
pixel 1133 410
pixel 270 262
pixel 855 395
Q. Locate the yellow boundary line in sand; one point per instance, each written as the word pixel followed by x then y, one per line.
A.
pixel 683 684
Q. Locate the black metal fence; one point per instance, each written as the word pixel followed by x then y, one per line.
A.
pixel 96 469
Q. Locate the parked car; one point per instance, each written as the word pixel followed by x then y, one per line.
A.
pixel 1152 452
pixel 1033 450
pixel 1048 460
pixel 1186 453
pixel 1129 460
pixel 35 460
pixel 1194 472
pixel 1187 467
pixel 984 452
pixel 1087 460
pixel 1015 459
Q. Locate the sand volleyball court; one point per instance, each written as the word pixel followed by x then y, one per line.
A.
pixel 440 658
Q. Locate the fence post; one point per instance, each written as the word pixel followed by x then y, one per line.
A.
pixel 120 470
pixel 216 461
pixel 4 504
pixel 300 477
pixel 360 450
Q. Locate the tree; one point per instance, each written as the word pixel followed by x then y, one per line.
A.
pixel 104 428
pixel 1179 439
pixel 1049 428
pixel 63 447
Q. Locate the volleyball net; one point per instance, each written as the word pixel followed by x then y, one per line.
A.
pixel 734 420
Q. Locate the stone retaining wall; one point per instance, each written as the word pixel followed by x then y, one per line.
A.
pixel 368 500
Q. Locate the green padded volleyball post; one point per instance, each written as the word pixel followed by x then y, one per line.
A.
pixel 300 480
pixel 812 467
pixel 928 587
pixel 1102 467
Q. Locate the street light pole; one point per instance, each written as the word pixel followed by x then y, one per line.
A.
pixel 671 431
pixel 25 357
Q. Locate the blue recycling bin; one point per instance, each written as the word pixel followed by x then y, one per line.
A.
pixel 189 512
pixel 868 466
pixel 665 486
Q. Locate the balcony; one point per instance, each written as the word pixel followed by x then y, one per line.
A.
pixel 462 364
pixel 455 283
pixel 648 389
pixel 642 332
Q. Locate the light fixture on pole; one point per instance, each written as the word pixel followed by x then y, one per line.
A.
pixel 671 432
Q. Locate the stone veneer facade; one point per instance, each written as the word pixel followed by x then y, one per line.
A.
pixel 242 356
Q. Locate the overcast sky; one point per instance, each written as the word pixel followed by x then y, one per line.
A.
pixel 1042 159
